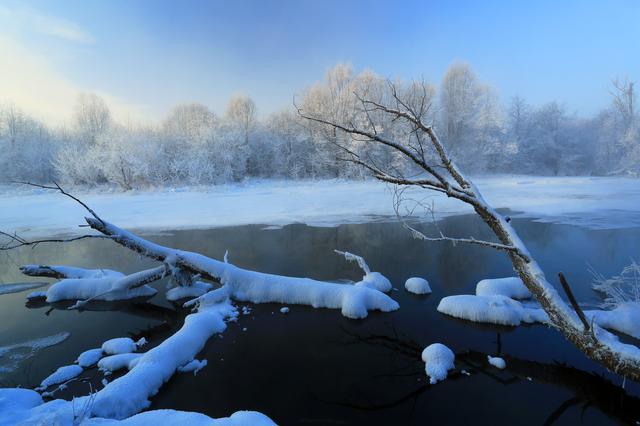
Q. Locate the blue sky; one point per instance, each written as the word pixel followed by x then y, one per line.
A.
pixel 146 56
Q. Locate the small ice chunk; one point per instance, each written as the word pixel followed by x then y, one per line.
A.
pixel 284 310
pixel 511 287
pixel 417 285
pixel 497 362
pixel 61 375
pixel 121 345
pixel 194 365
pixel 438 361
pixel 89 358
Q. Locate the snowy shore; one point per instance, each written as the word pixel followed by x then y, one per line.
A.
pixel 584 201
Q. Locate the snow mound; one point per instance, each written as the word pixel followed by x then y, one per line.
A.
pixel 17 287
pixel 284 310
pixel 94 288
pixel 117 362
pixel 61 375
pixel 624 318
pixel 417 285
pixel 497 362
pixel 89 358
pixel 511 287
pixel 490 309
pixel 174 417
pixel 438 361
pixel 121 345
pixel 196 289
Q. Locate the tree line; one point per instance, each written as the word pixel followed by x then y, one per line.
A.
pixel 193 145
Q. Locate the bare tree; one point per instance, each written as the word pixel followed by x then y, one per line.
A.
pixel 623 97
pixel 92 116
pixel 377 122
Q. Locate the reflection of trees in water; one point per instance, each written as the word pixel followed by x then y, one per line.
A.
pixel 588 389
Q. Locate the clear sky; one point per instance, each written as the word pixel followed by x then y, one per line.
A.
pixel 145 56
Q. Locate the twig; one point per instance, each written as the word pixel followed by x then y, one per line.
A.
pixel 574 303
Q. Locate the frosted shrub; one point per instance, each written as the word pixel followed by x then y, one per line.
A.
pixel 619 288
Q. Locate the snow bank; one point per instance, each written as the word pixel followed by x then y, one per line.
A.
pixel 17 287
pixel 196 289
pixel 585 201
pixel 438 360
pixel 173 417
pixel 490 309
pixel 121 345
pixel 417 285
pixel 61 375
pixel 624 318
pixel 497 362
pixel 511 287
pixel 89 358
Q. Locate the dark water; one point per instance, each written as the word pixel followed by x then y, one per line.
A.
pixel 313 366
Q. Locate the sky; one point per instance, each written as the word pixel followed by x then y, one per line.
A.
pixel 146 56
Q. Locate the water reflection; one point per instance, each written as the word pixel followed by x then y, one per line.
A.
pixel 315 366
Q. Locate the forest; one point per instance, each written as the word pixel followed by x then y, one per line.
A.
pixel 196 146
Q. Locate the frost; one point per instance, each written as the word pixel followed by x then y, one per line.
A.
pixel 438 361
pixel 511 287
pixel 417 285
pixel 497 362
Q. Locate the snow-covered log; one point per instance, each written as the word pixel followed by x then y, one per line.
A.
pixel 60 271
pixel 257 287
pixel 396 123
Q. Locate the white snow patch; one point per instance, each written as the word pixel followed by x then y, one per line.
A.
pixel 89 358
pixel 417 285
pixel 511 287
pixel 438 361
pixel 497 362
pixel 61 375
pixel 198 288
pixel 284 310
pixel 490 309
pixel 121 345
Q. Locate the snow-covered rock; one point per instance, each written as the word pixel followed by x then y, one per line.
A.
pixel 624 318
pixel 198 288
pixel 121 345
pixel 512 287
pixel 490 309
pixel 438 360
pixel 497 362
pixel 417 285
pixel 61 375
pixel 89 358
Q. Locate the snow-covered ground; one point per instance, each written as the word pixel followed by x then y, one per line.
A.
pixel 585 201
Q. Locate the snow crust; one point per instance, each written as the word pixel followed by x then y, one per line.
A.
pixel 417 285
pixel 511 287
pixel 438 360
pixel 584 201
pixel 497 362
pixel 491 309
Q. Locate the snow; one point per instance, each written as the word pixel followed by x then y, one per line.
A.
pixel 497 362
pixel 438 361
pixel 17 287
pixel 94 288
pixel 370 279
pixel 119 361
pixel 193 366
pixel 417 285
pixel 624 318
pixel 37 295
pixel 595 202
pixel 196 289
pixel 490 309
pixel 89 358
pixel 284 310
pixel 61 375
pixel 174 417
pixel 121 345
pixel 512 287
